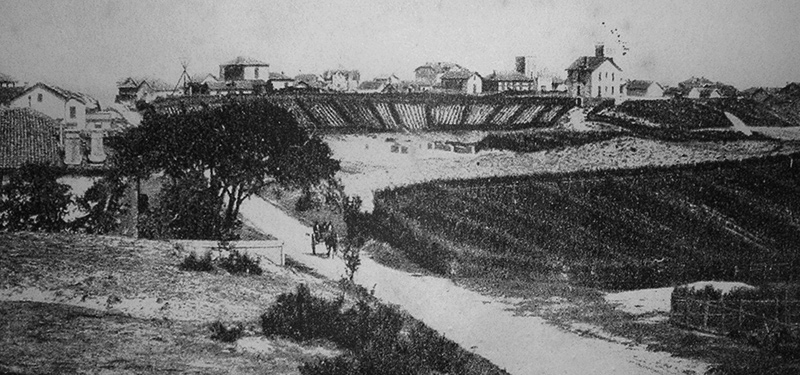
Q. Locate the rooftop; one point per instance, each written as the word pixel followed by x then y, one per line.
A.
pixel 242 60
pixel 27 136
pixel 508 76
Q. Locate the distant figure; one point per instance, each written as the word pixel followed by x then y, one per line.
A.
pixel 331 243
pixel 315 237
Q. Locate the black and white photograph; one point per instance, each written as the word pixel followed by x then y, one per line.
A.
pixel 400 187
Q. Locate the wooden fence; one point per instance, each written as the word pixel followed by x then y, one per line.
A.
pixel 270 250
pixel 724 317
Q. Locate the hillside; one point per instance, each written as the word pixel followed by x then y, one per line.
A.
pixel 74 303
pixel 615 229
pixel 400 112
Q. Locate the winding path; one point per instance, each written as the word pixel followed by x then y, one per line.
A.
pixel 484 325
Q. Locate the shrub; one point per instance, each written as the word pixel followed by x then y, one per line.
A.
pixel 301 316
pixel 238 263
pixel 379 338
pixel 194 263
pixel 224 333
pixel 33 200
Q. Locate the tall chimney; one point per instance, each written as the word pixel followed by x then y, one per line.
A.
pixel 599 50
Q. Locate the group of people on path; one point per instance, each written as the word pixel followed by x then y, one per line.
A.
pixel 324 233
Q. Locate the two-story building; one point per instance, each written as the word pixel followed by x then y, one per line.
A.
pixel 595 76
pixel 243 68
pixel 341 80
pixel 67 107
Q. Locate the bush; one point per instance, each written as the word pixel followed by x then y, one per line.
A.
pixel 302 316
pixel 379 338
pixel 238 263
pixel 194 263
pixel 224 333
pixel 34 200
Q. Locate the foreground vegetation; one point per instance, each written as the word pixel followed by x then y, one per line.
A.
pixel 379 339
pixel 119 304
pixel 608 229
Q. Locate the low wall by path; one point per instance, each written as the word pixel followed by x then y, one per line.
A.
pixel 269 250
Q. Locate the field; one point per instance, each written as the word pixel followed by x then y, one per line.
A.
pixel 689 114
pixel 615 230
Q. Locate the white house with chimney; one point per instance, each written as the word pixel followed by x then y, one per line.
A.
pixel 595 76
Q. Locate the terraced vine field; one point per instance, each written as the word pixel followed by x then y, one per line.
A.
pixel 735 221
pixel 399 112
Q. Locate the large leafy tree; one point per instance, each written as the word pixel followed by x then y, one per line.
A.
pixel 240 146
pixel 34 200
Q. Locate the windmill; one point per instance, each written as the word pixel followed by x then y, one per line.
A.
pixel 185 78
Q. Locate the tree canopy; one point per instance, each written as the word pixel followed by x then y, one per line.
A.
pixel 34 200
pixel 240 146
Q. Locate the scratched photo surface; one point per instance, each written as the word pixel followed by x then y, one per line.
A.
pixel 400 187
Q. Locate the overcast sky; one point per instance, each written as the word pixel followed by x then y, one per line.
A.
pixel 87 45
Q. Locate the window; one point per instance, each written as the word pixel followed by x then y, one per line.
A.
pixel 599 76
pixel 39 98
pixel 256 72
pixel 612 87
pixel 606 75
pixel 598 91
pixel 72 112
pixel 612 76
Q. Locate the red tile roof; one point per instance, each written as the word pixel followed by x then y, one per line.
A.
pixel 27 136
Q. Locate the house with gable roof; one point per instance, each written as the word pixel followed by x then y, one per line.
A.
pixel 595 76
pixel 67 107
pixel 462 81
pixel 643 89
pixel 280 81
pixel 431 73
pixel 508 81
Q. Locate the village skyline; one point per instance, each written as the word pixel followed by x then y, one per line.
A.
pixel 89 45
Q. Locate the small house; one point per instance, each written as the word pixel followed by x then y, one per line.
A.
pixel 341 80
pixel 703 93
pixel 279 81
pixel 643 89
pixel 462 81
pixel 508 81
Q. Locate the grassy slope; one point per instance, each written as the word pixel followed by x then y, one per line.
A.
pixel 614 229
pixel 56 338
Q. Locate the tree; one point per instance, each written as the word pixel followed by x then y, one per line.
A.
pixel 188 209
pixel 34 200
pixel 240 146
pixel 103 206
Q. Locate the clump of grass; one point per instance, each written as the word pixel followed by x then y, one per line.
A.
pixel 221 332
pixel 196 263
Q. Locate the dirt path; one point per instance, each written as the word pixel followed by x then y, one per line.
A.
pixel 484 325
